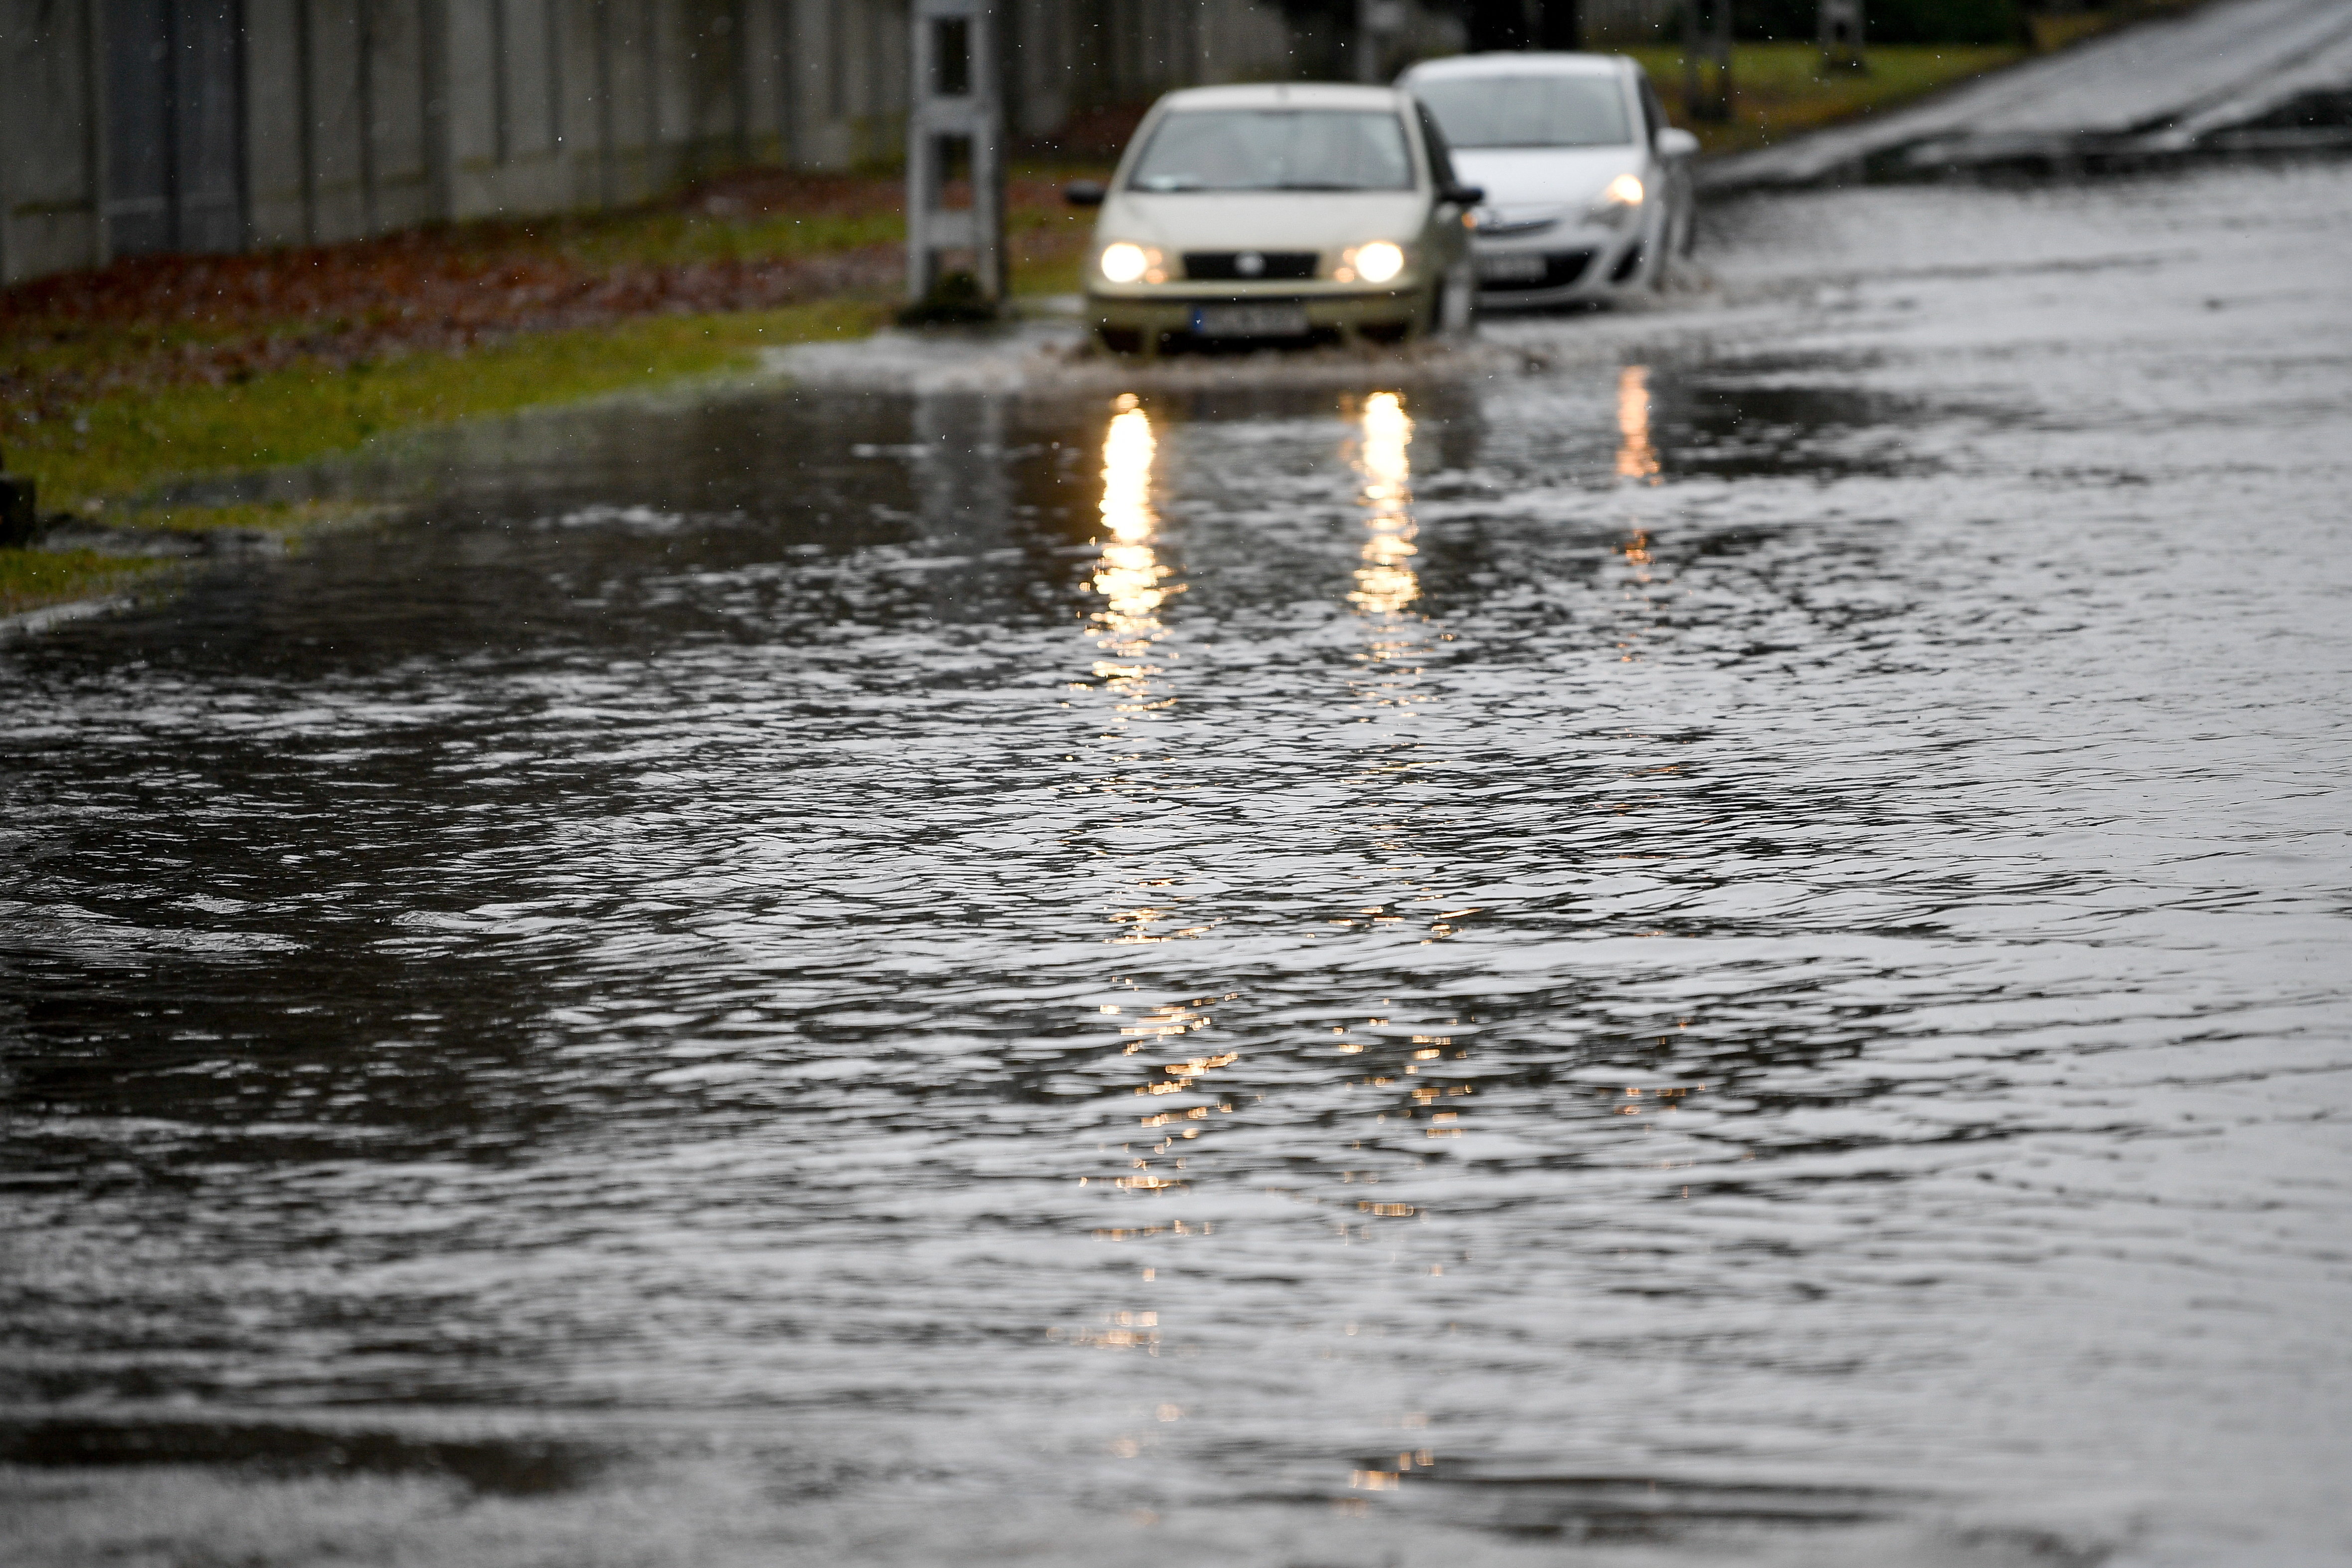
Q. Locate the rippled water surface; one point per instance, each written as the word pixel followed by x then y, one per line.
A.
pixel 1733 943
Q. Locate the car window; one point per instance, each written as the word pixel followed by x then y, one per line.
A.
pixel 1441 160
pixel 1275 149
pixel 1528 110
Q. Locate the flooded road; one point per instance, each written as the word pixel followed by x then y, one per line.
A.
pixel 1729 945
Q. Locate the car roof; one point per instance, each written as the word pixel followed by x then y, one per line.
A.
pixel 1285 95
pixel 1517 64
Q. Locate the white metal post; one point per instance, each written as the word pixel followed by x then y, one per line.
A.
pixel 955 98
pixel 1841 35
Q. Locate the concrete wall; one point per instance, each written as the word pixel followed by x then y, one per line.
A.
pixel 360 117
pixel 50 137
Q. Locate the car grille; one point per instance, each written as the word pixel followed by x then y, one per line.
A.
pixel 1561 267
pixel 1226 266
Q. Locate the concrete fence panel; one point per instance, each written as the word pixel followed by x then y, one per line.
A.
pixel 137 125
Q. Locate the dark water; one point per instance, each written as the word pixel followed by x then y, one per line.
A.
pixel 1736 946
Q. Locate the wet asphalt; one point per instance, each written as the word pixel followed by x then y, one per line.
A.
pixel 1708 933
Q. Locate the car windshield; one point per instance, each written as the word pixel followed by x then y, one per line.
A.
pixel 1275 149
pixel 1528 110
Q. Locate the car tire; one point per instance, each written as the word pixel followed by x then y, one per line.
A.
pixel 1457 312
pixel 1664 252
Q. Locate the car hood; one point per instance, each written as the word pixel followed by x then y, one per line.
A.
pixel 1262 220
pixel 1525 183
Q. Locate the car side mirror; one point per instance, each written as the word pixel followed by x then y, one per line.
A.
pixel 1674 143
pixel 1461 196
pixel 1084 192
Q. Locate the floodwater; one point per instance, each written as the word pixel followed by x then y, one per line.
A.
pixel 1726 942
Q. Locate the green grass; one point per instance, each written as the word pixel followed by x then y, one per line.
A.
pixel 289 521
pixel 125 443
pixel 1779 91
pixel 32 578
pixel 666 238
pixel 670 237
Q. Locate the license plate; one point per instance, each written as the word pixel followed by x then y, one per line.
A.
pixel 1250 321
pixel 1510 268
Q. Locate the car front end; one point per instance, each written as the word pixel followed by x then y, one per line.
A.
pixel 1586 188
pixel 1545 251
pixel 1298 214
pixel 1147 298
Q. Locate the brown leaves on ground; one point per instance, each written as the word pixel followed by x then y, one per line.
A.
pixel 149 321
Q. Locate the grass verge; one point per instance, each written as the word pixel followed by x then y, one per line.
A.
pixel 30 578
pixel 123 442
pixel 128 440
pixel 1779 91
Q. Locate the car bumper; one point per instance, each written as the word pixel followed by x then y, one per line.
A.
pixel 1581 265
pixel 1155 320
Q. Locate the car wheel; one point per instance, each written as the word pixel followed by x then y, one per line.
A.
pixel 1460 311
pixel 1664 251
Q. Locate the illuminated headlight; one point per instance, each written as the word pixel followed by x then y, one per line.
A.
pixel 1127 262
pixel 1377 262
pixel 1620 197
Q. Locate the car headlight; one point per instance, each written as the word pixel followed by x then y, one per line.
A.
pixel 1124 263
pixel 1620 198
pixel 1378 262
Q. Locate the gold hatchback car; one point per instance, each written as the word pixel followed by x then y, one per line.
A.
pixel 1280 213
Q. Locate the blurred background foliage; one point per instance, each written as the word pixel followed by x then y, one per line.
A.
pixel 1889 21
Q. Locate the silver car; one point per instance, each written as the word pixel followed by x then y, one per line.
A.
pixel 1588 189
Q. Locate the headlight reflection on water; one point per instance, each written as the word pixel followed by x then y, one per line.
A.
pixel 1131 579
pixel 1130 574
pixel 1386 583
pixel 1637 455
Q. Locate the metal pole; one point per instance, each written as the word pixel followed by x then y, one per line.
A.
pixel 955 98
pixel 1840 26
pixel 923 166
